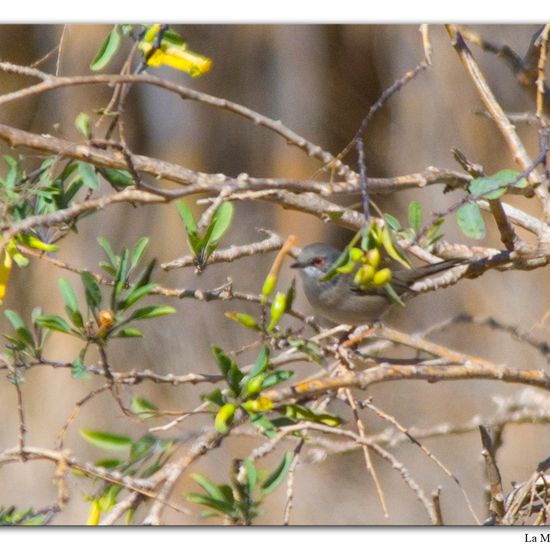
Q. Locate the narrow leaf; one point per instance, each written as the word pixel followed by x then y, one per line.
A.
pixel 128 333
pixel 415 216
pixel 92 290
pixel 107 441
pixel 107 51
pixel 150 312
pixel 82 124
pixel 88 175
pixel 54 322
pixel 138 251
pixel 278 475
pixel 19 326
pixel 212 489
pixel 143 408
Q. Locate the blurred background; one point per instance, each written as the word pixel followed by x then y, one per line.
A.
pixel 320 81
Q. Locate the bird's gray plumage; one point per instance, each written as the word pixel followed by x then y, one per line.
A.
pixel 341 301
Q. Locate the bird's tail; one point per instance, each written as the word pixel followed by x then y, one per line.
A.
pixel 413 275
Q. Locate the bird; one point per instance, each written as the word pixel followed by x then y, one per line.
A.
pixel 340 300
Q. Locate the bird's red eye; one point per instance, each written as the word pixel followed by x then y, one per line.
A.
pixel 319 261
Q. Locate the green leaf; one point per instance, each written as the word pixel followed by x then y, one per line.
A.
pixel 71 302
pixel 13 172
pixel 143 408
pixel 234 377
pixel 263 424
pixel 54 322
pixel 297 412
pixel 69 193
pixel 392 221
pixel 120 278
pixel 88 175
pixel 215 397
pixel 19 326
pixel 219 225
pixel 151 312
pixel 277 476
pixel 311 349
pixel 392 295
pixel 415 216
pixel 193 239
pixel 92 290
pixel 109 463
pixel 212 489
pixel 276 378
pixel 187 217
pixel 470 221
pixel 79 370
pixel 493 187
pixel 391 249
pixel 82 124
pixel 129 332
pixel 142 447
pixel 251 474
pixel 104 243
pixel 224 362
pixel 220 505
pixel 138 251
pixel 136 294
pixel 117 178
pixel 107 441
pixel 108 268
pixel 261 363
pixel 107 51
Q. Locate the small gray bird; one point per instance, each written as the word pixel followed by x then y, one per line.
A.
pixel 339 300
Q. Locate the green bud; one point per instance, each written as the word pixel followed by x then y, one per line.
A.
pixel 278 307
pixel 244 319
pixel 255 384
pixel 357 255
pixel 269 287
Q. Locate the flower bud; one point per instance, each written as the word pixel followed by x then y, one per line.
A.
pixel 382 277
pixel 364 275
pixel 373 257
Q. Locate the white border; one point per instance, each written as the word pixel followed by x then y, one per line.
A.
pixel 281 11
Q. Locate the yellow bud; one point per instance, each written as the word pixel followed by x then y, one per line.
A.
pixel 373 257
pixel 94 514
pixel 106 319
pixel 224 417
pixel 382 277
pixel 364 275
pixel 261 404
